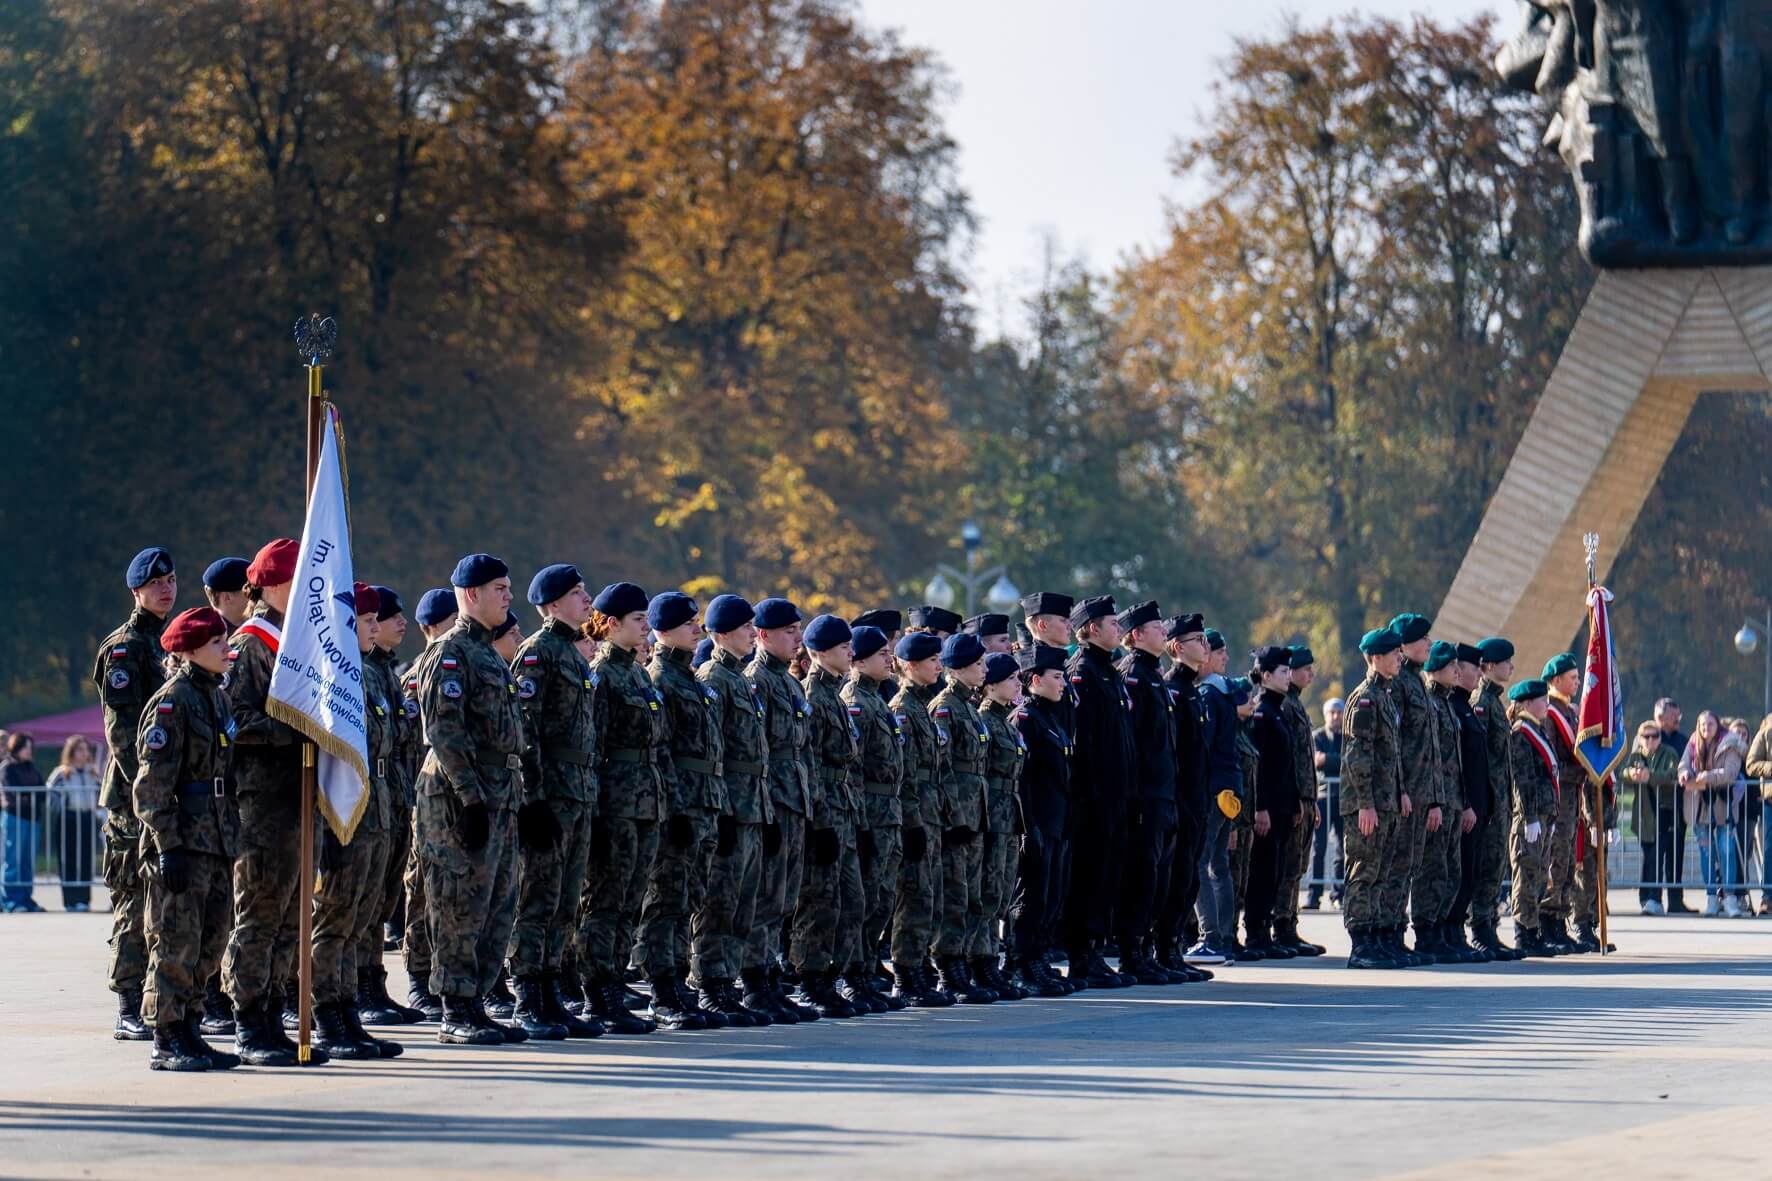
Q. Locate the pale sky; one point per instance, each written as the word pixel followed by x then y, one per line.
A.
pixel 1066 111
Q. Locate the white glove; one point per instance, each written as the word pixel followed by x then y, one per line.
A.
pixel 1612 836
pixel 1533 832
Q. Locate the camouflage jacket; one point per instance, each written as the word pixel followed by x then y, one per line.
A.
pixel 1451 794
pixel 1561 730
pixel 557 693
pixel 919 793
pixel 268 758
pixel 882 750
pixel 963 738
pixel 1371 760
pixel 1250 758
pixel 789 717
pixel 181 755
pixel 1491 710
pixel 475 729
pixel 1298 728
pixel 128 670
pixel 836 753
pixel 1530 757
pixel 1004 755
pixel 403 699
pixel 692 771
pixel 631 739
pixel 745 760
pixel 382 718
pixel 1417 741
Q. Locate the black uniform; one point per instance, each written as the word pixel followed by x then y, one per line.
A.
pixel 1044 869
pixel 1276 793
pixel 1151 808
pixel 1473 749
pixel 1175 910
pixel 1102 765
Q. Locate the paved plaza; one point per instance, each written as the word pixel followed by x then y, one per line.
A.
pixel 1649 1064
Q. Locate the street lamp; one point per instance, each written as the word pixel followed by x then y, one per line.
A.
pixel 1002 595
pixel 1746 640
pixel 939 592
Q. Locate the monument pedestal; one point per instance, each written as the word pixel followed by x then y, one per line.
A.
pixel 1646 345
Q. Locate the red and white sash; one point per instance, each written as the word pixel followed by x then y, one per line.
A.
pixel 269 633
pixel 1539 744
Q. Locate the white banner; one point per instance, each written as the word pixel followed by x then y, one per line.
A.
pixel 318 684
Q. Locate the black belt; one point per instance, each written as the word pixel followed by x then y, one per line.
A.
pixel 566 754
pixel 883 789
pixel 500 762
pixel 745 768
pixel 217 787
pixel 630 756
pixel 699 766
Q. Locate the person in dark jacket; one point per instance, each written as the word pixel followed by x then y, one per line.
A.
pixel 1151 808
pixel 1185 640
pixel 1217 905
pixel 1045 805
pixel 1479 805
pixel 1326 757
pixel 1276 799
pixel 21 791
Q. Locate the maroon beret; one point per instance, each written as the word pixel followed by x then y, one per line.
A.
pixel 274 565
pixel 190 630
pixel 367 601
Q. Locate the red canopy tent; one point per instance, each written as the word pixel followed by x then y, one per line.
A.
pixel 55 729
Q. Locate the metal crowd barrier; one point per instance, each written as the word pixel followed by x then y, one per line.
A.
pixel 47 841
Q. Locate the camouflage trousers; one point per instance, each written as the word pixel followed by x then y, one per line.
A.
pixel 1436 878
pixel 1586 895
pixel 830 909
pixel 1531 866
pixel 1491 866
pixel 962 897
pixel 185 934
pixel 622 851
pixel 1295 861
pixel 676 887
pixel 879 888
pixel 996 890
pixel 347 897
pixel 1559 890
pixel 415 943
pixel 261 947
pixel 1244 833
pixel 779 891
pixel 721 928
pixel 1370 863
pixel 917 903
pixel 387 902
pixel 1394 892
pixel 123 878
pixel 550 883
pixel 472 895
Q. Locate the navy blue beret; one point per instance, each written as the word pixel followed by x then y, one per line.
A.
pixel 918 646
pixel 867 640
pixel 1093 608
pixel 148 565
pixel 619 599
pixel 1039 658
pixel 390 603
pixel 884 618
pixel 1000 666
pixel 826 632
pixel 504 629
pixel 550 582
pixel 961 650
pixel 776 613
pixel 225 574
pixel 704 652
pixel 727 613
pixel 670 609
pixel 435 606
pixel 478 570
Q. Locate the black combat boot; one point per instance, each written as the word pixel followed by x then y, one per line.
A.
pixel 459 1027
pixel 956 979
pixel 1530 943
pixel 553 1002
pixel 218 1059
pixel 512 1034
pixel 779 981
pixel 1043 980
pixel 173 1051
pixel 254 1042
pixel 854 989
pixel 1587 940
pixel 334 1035
pixel 1365 953
pixel 218 1012
pixel 375 1006
pixel 820 991
pixel 670 1009
pixel 880 988
pixel 1287 933
pixel 129 1026
pixel 498 1003
pixel 732 1002
pixel 386 1047
pixel 530 1012
pixel 424 1001
pixel 1427 944
pixel 759 997
pixel 880 997
pixel 1555 935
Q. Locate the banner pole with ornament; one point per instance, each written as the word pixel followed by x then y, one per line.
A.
pixel 1600 741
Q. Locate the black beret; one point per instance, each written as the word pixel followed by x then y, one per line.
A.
pixel 619 599
pixel 1470 653
pixel 917 646
pixel 550 582
pixel 999 666
pixel 1140 614
pixel 225 574
pixel 938 619
pixel 1039 658
pixel 987 624
pixel 1301 656
pixel 884 618
pixel 390 603
pixel 1092 608
pixel 669 609
pixel 1047 603
pixel 146 566
pixel 866 640
pixel 1269 657
pixel 777 612
pixel 961 650
pixel 826 632
pixel 478 570
pixel 1185 625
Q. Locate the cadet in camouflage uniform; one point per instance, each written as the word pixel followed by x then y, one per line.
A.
pixel 830 907
pixel 1242 838
pixel 722 927
pixel 436 615
pixel 189 833
pixel 126 673
pixel 787 718
pixel 1587 866
pixel 557 692
pixel 1560 726
pixel 1005 751
pixel 1298 845
pixel 880 841
pixel 921 803
pixel 1497 668
pixel 631 747
pixel 1437 883
pixel 468 794
pixel 1532 769
pixel 267 770
pixel 962 735
pixel 694 800
pixel 347 896
pixel 1419 747
pixel 1371 794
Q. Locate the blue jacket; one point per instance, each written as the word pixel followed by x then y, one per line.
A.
pixel 1224 767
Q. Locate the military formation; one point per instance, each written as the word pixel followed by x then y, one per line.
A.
pixel 765 819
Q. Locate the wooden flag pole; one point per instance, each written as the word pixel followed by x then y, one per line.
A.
pixel 1591 543
pixel 314 338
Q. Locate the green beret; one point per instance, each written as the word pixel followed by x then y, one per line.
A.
pixel 1495 649
pixel 1214 639
pixel 1380 640
pixel 1302 657
pixel 1440 655
pixel 1528 691
pixel 1556 666
pixel 1410 627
